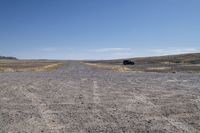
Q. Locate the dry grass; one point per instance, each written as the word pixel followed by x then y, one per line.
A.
pixel 159 68
pixel 110 67
pixel 28 66
pixel 172 63
pixel 146 67
pixel 121 68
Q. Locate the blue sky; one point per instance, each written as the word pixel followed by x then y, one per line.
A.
pixel 98 29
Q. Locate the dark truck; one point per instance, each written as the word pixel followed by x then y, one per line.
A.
pixel 128 62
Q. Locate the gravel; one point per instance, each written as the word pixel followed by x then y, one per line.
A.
pixel 80 98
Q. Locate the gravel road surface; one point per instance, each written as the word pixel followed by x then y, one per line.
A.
pixel 82 99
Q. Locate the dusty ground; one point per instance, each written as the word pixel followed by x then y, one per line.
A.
pixel 81 98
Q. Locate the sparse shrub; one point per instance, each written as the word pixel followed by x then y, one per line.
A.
pixel 8 58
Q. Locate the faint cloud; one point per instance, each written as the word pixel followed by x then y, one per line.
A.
pixel 112 53
pixel 102 50
pixel 48 49
pixel 174 51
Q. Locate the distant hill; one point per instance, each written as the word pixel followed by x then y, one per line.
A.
pixel 192 58
pixel 170 63
pixel 7 58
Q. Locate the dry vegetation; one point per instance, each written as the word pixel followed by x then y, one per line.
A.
pixel 122 68
pixel 172 63
pixel 110 67
pixel 28 66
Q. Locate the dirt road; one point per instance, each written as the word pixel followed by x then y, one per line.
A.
pixel 80 98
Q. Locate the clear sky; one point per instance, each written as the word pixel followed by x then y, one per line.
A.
pixel 98 29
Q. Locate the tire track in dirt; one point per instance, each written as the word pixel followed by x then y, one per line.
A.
pixel 140 98
pixel 49 120
pixel 96 98
pixel 97 101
